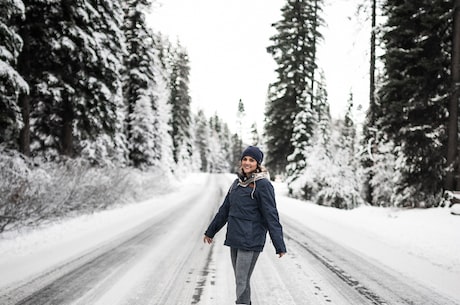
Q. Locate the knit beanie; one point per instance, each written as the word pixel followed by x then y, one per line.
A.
pixel 253 152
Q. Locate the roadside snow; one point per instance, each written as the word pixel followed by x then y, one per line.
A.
pixel 423 244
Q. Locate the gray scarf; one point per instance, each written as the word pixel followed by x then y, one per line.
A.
pixel 244 181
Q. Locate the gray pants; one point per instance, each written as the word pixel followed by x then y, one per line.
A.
pixel 243 262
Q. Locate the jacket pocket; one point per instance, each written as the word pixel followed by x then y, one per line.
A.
pixel 240 232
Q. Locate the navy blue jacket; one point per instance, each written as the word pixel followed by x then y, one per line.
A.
pixel 249 218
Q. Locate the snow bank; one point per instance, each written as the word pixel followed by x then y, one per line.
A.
pixel 423 244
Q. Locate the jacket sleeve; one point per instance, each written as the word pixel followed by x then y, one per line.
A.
pixel 220 219
pixel 267 204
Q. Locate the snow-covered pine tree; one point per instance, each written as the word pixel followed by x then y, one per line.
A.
pixel 225 138
pixel 50 72
pixel 309 174
pixel 74 62
pixel 106 140
pixel 302 139
pixel 213 143
pixel 343 186
pixel 11 82
pixel 451 180
pixel 412 110
pixel 348 132
pixel 163 145
pixel 369 128
pixel 323 113
pixel 221 149
pixel 180 106
pixel 201 140
pixel 138 84
pixel 255 137
pixel 294 51
pixel 236 150
pixel 194 158
pixel 240 120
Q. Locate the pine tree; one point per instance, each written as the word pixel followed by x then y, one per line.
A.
pixel 163 144
pixel 345 183
pixel 236 150
pixel 413 98
pixel 242 126
pixel 294 51
pixel 202 136
pixel 106 92
pixel 222 149
pixel 453 165
pixel 302 140
pixel 348 132
pixel 180 106
pixel 323 113
pixel 225 139
pixel 255 137
pixel 372 10
pixel 139 81
pixel 311 139
pixel 12 83
pixel 73 64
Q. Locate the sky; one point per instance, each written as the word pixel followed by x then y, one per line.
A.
pixel 227 40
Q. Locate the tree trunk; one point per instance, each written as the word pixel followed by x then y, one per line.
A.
pixel 24 135
pixel 315 26
pixel 24 98
pixel 372 60
pixel 67 129
pixel 452 143
pixel 371 112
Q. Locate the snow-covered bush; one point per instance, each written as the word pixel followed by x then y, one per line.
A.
pixel 455 209
pixel 330 176
pixel 32 193
pixel 14 188
pixel 326 183
pixel 383 174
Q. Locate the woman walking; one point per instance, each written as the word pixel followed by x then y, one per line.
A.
pixel 249 209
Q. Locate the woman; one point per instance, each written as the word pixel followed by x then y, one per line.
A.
pixel 249 209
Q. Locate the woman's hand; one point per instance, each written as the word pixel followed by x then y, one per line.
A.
pixel 281 254
pixel 207 239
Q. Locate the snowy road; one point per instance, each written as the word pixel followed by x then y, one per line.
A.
pixel 161 260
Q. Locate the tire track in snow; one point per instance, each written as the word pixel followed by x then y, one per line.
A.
pixel 378 284
pixel 346 278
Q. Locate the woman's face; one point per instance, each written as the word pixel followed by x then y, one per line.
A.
pixel 248 164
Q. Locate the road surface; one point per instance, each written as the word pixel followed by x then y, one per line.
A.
pixel 163 261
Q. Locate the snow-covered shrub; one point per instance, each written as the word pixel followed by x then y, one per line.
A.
pixel 342 189
pixel 15 188
pixel 314 178
pixel 330 176
pixel 31 194
pixel 384 174
pixel 455 209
